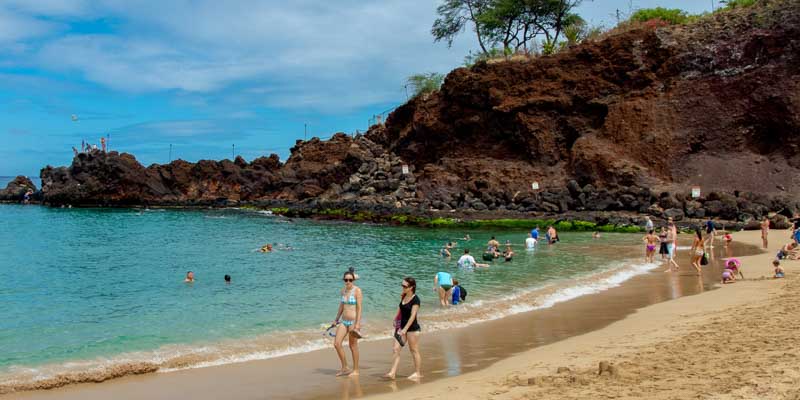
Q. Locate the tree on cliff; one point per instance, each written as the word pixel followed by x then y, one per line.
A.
pixel 512 24
pixel 454 15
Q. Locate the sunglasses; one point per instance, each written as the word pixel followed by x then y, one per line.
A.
pixel 405 286
pixel 348 280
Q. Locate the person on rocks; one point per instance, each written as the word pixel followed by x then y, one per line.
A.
pixel 443 283
pixel 697 250
pixel 764 231
pixel 530 242
pixel 648 224
pixel 407 329
pixel 650 240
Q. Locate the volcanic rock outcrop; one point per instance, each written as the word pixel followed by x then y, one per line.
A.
pixel 628 122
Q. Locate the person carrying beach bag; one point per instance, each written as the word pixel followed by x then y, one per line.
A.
pixel 407 330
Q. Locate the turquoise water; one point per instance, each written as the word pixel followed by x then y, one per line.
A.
pixel 101 286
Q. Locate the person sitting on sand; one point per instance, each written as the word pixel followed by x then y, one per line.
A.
pixel 650 241
pixel 443 283
pixel 727 276
pixel 735 267
pixel 785 251
pixel 778 269
pixel 189 277
pixel 267 248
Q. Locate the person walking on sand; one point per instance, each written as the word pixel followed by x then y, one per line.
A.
pixel 671 244
pixel 764 231
pixel 650 240
pixel 350 313
pixel 408 331
pixel 710 232
pixel 662 249
pixel 697 250
pixel 442 283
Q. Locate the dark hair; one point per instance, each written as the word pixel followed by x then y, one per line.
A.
pixel 350 271
pixel 412 283
pixel 776 262
pixel 466 251
pixel 699 233
pixel 188 272
pixel 650 232
pixel 492 237
pixel 455 282
pixel 227 278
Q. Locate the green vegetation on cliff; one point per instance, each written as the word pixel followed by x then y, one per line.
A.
pixel 456 223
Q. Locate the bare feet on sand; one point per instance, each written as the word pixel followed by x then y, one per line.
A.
pixel 343 372
pixel 415 377
pixel 354 373
pixel 388 376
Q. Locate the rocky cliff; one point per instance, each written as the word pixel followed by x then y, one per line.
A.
pixel 628 122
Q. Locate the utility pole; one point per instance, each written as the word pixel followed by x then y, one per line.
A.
pixel 170 152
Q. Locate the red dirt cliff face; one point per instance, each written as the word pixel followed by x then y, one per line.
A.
pixel 716 104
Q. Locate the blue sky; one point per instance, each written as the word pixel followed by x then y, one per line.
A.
pixel 204 75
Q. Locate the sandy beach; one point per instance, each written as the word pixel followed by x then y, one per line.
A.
pixel 737 342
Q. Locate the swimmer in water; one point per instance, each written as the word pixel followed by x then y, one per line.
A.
pixel 267 248
pixel 189 277
pixel 508 254
pixel 445 252
pixel 467 238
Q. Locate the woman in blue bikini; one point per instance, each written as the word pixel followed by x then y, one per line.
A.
pixel 350 326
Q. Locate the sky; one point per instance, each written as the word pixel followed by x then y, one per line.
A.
pixel 212 78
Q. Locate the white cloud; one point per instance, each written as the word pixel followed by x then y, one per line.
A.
pixel 329 56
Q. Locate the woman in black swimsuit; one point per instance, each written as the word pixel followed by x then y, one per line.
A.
pixel 408 331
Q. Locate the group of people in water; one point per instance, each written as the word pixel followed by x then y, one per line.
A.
pixel 702 247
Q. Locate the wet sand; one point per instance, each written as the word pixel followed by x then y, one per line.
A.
pixel 454 352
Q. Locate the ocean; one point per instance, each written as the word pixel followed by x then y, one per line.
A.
pixel 89 290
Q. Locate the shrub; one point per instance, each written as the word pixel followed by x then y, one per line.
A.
pixel 671 16
pixel 423 84
pixel 583 226
pixel 563 226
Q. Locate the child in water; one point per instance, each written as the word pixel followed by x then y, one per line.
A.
pixel 778 269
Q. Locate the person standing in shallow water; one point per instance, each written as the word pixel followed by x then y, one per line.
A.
pixel 350 313
pixel 697 250
pixel 409 329
pixel 764 231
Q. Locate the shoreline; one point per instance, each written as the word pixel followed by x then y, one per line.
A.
pixel 658 351
pixel 242 374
